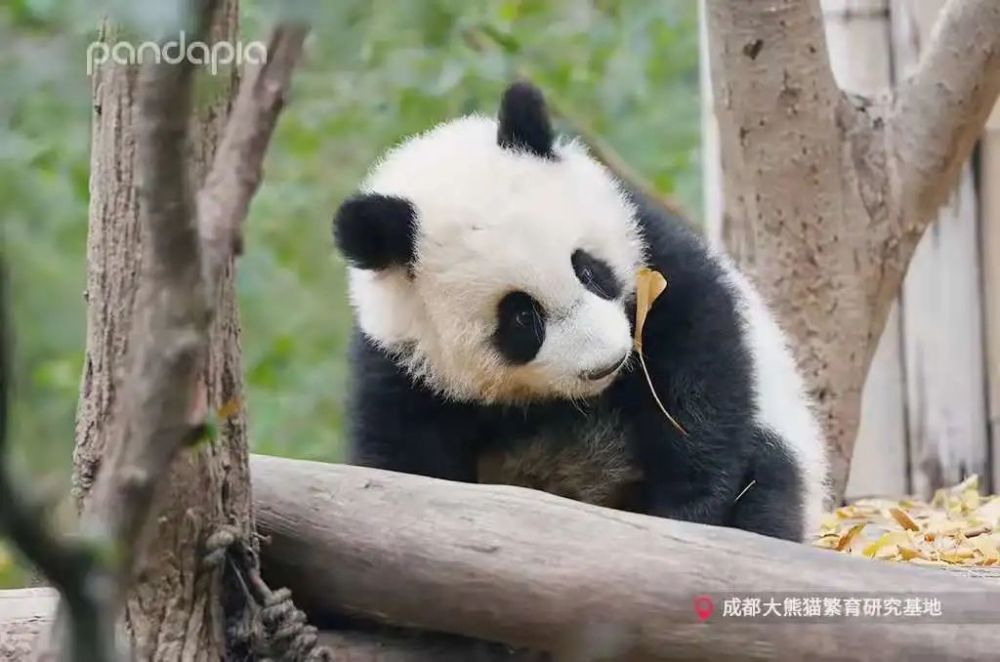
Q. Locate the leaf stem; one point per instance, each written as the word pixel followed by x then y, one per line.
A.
pixel 652 389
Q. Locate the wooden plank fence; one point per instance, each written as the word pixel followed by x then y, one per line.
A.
pixel 989 185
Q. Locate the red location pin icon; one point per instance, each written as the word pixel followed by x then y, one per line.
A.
pixel 703 607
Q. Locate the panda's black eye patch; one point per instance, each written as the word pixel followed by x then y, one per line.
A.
pixel 520 328
pixel 595 275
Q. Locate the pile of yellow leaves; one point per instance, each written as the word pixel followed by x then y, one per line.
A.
pixel 958 527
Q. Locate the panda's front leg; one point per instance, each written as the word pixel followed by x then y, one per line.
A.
pixel 691 500
pixel 691 477
pixel 771 500
pixel 742 479
pixel 398 425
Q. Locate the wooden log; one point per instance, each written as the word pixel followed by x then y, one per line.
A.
pixel 26 613
pixel 538 571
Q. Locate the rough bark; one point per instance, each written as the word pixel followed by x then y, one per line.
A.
pixel 860 54
pixel 826 194
pixel 174 610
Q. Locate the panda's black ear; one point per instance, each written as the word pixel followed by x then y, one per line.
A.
pixel 376 231
pixel 524 122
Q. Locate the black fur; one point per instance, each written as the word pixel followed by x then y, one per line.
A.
pixel 702 372
pixel 376 231
pixel 595 275
pixel 524 123
pixel 520 328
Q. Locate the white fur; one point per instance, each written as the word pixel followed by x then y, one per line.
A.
pixel 491 220
pixel 783 406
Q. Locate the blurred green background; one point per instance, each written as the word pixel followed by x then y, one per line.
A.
pixel 375 71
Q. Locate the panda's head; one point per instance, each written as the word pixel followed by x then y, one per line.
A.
pixel 494 262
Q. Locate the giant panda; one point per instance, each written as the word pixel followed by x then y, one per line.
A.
pixel 492 275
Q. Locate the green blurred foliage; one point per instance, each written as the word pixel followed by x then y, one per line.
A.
pixel 374 71
pixel 10 574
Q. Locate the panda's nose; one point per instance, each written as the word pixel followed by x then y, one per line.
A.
pixel 601 373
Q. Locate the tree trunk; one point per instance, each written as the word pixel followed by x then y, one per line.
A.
pixel 782 163
pixel 858 37
pixel 826 194
pixel 174 611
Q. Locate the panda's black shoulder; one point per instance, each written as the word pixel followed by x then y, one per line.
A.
pixel 678 250
pixel 387 404
pixel 696 326
pixel 382 387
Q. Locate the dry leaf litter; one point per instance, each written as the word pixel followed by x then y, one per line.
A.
pixel 958 527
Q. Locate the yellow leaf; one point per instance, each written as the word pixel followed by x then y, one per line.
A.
pixel 989 511
pixel 229 409
pixel 892 538
pixel 970 501
pixel 958 556
pixel 870 549
pixel 849 511
pixel 974 531
pixel 986 547
pixel 941 528
pixel 904 520
pixel 970 483
pixel 650 285
pixel 848 537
